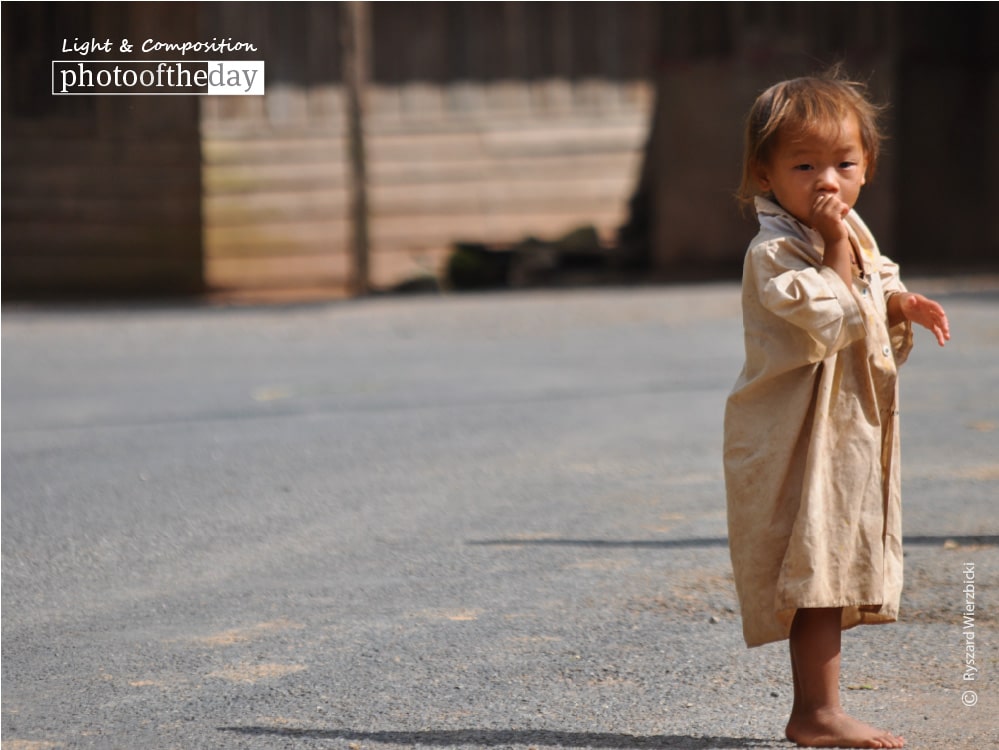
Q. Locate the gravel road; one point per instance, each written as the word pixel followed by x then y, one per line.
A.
pixel 469 521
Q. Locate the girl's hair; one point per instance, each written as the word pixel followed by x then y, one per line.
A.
pixel 802 106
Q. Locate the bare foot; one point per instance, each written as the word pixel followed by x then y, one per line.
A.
pixel 834 728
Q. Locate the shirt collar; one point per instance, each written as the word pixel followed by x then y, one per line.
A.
pixel 768 207
pixel 859 234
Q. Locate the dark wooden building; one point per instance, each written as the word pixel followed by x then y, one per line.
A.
pixel 936 66
pixel 101 194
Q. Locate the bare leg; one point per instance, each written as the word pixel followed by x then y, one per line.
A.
pixel 796 706
pixel 817 718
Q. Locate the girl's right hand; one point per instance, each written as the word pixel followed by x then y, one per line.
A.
pixel 826 217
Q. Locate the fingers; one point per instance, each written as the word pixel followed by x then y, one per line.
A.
pixel 944 329
pixel 943 332
pixel 943 336
pixel 937 323
pixel 936 320
pixel 830 205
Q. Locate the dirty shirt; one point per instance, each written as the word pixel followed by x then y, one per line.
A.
pixel 811 433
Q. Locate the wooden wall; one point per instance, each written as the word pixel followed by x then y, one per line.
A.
pixel 485 122
pixel 275 202
pixel 99 194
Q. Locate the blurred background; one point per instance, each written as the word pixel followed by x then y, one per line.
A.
pixel 494 144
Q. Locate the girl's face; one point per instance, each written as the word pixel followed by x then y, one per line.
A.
pixel 818 163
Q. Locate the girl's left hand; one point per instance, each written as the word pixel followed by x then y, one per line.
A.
pixel 927 313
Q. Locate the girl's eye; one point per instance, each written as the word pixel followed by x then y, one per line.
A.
pixel 847 164
pixel 802 167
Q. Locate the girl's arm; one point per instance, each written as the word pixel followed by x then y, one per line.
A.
pixel 905 306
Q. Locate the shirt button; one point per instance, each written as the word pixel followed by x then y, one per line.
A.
pixel 886 350
pixel 863 292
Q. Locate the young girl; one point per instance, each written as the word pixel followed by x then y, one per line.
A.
pixel 811 427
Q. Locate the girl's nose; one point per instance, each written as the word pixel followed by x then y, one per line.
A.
pixel 827 181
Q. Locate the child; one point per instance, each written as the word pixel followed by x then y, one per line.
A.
pixel 811 427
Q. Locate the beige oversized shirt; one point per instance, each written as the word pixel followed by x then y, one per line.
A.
pixel 811 438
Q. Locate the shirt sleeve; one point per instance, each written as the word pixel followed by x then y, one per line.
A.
pixel 815 301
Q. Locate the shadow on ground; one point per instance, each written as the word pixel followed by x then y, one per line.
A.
pixel 508 738
pixel 917 541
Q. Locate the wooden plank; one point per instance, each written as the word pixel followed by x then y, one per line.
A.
pixel 82 208
pixel 329 176
pixel 94 273
pixel 429 170
pixel 285 104
pixel 273 178
pixel 233 114
pixel 43 152
pixel 94 265
pixel 276 211
pixel 500 150
pixel 270 147
pixel 389 268
pixel 573 136
pixel 564 140
pixel 58 181
pixel 277 271
pixel 306 148
pixel 326 102
pixel 263 208
pixel 514 169
pixel 529 196
pixel 549 191
pixel 118 239
pixel 276 238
